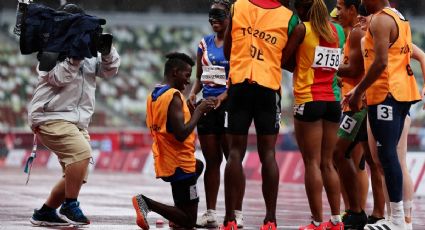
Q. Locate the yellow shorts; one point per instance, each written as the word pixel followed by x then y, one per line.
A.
pixel 66 140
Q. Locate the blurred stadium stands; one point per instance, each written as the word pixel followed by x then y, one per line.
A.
pixel 142 40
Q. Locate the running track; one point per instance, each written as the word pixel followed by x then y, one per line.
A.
pixel 106 200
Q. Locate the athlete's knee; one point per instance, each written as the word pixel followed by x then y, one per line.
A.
pixel 235 157
pixel 326 166
pixel 311 164
pixel 213 162
pixel 267 157
pixel 388 156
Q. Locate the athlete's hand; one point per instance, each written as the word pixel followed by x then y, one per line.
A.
pixel 191 102
pixel 206 105
pixel 354 100
pixel 220 99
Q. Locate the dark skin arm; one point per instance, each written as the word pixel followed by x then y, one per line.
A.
pixel 354 68
pixel 291 47
pixel 175 116
pixel 227 46
pixel 197 86
pixel 384 31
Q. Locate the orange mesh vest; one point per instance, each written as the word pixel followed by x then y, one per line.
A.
pixel 258 38
pixel 397 78
pixel 348 83
pixel 168 153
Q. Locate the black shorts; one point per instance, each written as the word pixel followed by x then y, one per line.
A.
pixel 185 191
pixel 316 110
pixel 250 101
pixel 212 122
pixel 183 187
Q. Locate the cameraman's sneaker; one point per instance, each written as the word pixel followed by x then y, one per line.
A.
pixel 72 213
pixel 355 221
pixel 208 219
pixel 48 218
pixel 142 211
pixel 239 218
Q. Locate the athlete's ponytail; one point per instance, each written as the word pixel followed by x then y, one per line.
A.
pixel 318 15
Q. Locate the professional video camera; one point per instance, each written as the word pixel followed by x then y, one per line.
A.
pixel 58 34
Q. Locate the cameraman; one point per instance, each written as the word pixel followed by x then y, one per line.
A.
pixel 59 114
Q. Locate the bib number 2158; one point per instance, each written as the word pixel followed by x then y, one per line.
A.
pixel 325 57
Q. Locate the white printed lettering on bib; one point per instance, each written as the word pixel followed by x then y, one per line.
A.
pixel 226 119
pixel 299 109
pixel 348 124
pixel 325 57
pixel 215 75
pixel 193 192
pixel 385 112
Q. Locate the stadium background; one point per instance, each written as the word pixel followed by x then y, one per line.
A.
pixel 144 31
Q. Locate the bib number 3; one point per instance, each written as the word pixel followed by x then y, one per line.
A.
pixel 385 113
pixel 325 57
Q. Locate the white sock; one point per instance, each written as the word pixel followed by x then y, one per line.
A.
pixel 387 205
pixel 397 212
pixel 335 219
pixel 407 206
pixel 238 212
pixel 211 211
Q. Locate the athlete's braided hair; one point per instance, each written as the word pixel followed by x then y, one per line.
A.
pixel 226 3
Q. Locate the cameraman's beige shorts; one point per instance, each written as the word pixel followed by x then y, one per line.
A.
pixel 66 140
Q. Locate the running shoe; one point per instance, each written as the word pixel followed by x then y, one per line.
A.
pixel 332 226
pixel 385 224
pixel 229 225
pixel 208 219
pixel 72 213
pixel 142 211
pixel 355 221
pixel 269 226
pixel 47 218
pixel 344 215
pixel 311 226
pixel 373 219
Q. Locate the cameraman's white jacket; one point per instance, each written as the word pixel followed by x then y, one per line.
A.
pixel 67 92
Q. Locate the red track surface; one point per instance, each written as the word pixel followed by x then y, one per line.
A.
pixel 106 200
